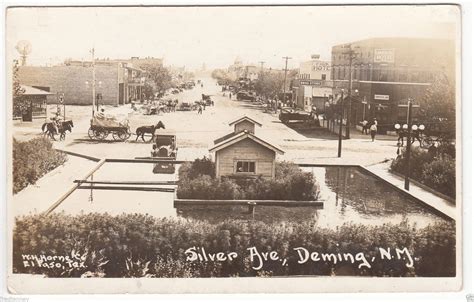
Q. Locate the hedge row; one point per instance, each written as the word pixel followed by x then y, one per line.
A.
pixel 135 245
pixel 197 181
pixel 33 159
pixel 436 171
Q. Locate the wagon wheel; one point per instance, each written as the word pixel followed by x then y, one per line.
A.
pixel 120 135
pixel 91 133
pixel 129 133
pixel 99 134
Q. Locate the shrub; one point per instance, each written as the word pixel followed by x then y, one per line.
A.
pixel 436 171
pixel 418 158
pixel 199 167
pixel 135 245
pixel 33 159
pixel 290 183
pixel 441 174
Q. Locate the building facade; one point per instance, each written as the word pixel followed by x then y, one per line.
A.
pixel 117 83
pixel 243 154
pixel 388 71
pixel 313 86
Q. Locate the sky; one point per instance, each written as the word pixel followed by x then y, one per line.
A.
pixel 216 36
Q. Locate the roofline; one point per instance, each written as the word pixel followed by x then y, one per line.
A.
pixel 242 136
pixel 243 118
pixel 388 38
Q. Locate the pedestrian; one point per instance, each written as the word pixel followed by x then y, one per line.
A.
pixel 230 95
pixel 200 109
pixel 373 130
pixel 365 126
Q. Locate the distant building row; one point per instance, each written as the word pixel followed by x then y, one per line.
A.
pixel 117 81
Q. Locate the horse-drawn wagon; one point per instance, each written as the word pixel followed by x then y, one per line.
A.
pixel 164 149
pixel 102 126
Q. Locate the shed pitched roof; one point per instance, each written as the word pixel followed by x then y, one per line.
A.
pixel 241 136
pixel 245 118
pixel 34 91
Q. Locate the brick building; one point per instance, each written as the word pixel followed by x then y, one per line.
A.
pixel 388 71
pixel 116 82
pixel 312 86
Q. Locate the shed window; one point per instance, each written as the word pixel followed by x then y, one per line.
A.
pixel 245 167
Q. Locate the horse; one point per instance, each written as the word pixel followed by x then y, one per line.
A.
pixel 51 129
pixel 141 131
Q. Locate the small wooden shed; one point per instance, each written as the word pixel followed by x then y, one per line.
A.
pixel 243 154
pixel 31 103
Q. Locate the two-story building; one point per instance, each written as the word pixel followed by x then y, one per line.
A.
pixel 117 82
pixel 313 86
pixel 388 71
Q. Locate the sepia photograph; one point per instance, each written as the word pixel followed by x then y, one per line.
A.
pixel 251 148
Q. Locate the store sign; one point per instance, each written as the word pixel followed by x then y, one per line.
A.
pixel 384 55
pixel 382 97
pixel 310 82
pixel 321 66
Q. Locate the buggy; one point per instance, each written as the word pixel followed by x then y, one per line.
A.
pixel 101 127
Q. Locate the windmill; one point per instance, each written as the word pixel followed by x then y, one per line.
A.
pixel 24 49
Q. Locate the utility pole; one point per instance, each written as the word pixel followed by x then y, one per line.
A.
pixel 261 66
pixel 93 81
pixel 284 82
pixel 349 109
pixel 341 113
pixel 407 155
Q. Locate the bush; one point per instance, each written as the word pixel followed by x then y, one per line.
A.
pixel 32 160
pixel 198 167
pixel 418 158
pixel 290 183
pixel 436 171
pixel 135 245
pixel 441 174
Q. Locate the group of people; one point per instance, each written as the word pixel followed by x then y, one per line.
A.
pixel 370 127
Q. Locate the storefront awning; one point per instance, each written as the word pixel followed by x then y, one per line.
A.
pixel 28 90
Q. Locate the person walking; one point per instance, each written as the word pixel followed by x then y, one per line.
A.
pixel 373 130
pixel 200 109
pixel 230 95
pixel 365 126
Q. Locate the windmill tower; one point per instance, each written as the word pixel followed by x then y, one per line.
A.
pixel 24 49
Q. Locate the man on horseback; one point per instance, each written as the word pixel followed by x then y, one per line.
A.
pixel 56 121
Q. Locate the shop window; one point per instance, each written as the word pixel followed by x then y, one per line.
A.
pixel 245 167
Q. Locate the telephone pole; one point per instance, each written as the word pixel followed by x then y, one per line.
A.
pixel 284 82
pixel 261 66
pixel 93 80
pixel 349 109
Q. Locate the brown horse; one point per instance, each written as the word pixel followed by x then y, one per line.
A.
pixel 141 131
pixel 49 129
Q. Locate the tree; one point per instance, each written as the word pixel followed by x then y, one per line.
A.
pixel 20 105
pixel 224 76
pixel 439 101
pixel 270 83
pixel 160 76
pixel 438 109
